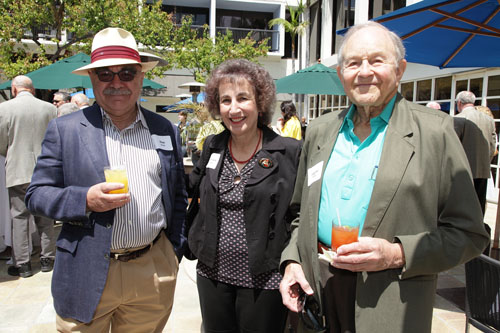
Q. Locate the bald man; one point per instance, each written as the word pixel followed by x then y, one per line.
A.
pixel 433 105
pixel 81 100
pixel 23 121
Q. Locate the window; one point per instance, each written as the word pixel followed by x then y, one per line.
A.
pixel 315 35
pixel 407 90
pixel 199 15
pixel 424 90
pixel 443 88
pixel 377 8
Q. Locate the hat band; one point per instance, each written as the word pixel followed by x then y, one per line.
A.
pixel 114 52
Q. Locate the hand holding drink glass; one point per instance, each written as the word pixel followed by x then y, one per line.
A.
pixel 117 174
pixel 343 232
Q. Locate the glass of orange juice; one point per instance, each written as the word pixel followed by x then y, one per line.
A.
pixel 344 232
pixel 117 174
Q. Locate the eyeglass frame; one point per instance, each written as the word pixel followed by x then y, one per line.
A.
pixel 311 318
pixel 123 70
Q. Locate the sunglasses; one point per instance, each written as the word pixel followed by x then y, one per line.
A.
pixel 310 313
pixel 107 75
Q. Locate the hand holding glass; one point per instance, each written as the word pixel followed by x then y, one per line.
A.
pixel 343 233
pixel 117 174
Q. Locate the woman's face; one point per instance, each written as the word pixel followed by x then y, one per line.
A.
pixel 238 108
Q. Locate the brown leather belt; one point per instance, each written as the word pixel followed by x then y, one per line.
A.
pixel 322 247
pixel 134 254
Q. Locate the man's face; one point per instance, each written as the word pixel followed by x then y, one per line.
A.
pixel 58 100
pixel 369 73
pixel 118 98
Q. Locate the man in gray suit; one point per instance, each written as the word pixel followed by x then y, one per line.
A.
pixel 480 153
pixel 23 121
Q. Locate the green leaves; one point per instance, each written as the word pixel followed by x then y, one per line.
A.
pixel 73 23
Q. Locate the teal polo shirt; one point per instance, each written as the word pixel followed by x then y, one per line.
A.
pixel 350 173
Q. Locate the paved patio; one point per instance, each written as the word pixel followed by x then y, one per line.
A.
pixel 26 304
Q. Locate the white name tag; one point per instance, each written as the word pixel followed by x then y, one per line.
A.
pixel 162 142
pixel 314 173
pixel 214 160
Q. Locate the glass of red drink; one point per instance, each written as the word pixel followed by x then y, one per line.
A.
pixel 344 233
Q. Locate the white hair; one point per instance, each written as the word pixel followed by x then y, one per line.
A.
pixel 399 49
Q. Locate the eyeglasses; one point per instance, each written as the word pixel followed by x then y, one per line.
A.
pixel 107 75
pixel 55 101
pixel 310 313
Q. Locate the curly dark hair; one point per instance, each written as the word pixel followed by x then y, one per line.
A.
pixel 234 70
pixel 288 108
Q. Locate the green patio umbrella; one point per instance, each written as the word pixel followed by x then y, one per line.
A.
pixel 58 75
pixel 316 80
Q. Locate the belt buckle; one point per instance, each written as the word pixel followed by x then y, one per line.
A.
pixel 117 256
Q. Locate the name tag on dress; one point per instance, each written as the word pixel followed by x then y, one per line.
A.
pixel 162 142
pixel 214 160
pixel 314 173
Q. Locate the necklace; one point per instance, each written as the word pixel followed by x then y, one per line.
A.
pixel 253 154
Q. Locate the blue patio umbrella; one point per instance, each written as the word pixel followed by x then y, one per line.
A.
pixel 200 98
pixel 448 33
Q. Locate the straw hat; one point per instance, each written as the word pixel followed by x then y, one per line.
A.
pixel 112 47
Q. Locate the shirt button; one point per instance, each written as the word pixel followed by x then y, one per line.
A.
pixel 351 178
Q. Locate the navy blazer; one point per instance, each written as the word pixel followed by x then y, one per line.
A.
pixel 72 160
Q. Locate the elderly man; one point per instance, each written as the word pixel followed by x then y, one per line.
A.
pixel 433 105
pixel 398 169
pixel 118 253
pixel 481 151
pixel 61 98
pixel 23 121
pixel 81 100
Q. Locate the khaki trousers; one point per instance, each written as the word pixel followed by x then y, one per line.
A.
pixel 138 295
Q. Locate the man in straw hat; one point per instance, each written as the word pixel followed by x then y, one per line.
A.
pixel 117 254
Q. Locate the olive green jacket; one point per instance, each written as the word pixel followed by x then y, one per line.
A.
pixel 423 197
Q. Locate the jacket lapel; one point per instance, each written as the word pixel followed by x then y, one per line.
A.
pixel 92 135
pixel 320 153
pixel 396 154
pixel 266 164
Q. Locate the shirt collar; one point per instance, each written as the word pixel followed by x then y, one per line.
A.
pixel 139 118
pixel 385 115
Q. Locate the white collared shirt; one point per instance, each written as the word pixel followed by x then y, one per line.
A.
pixel 138 222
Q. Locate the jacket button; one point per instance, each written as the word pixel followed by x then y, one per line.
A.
pixel 106 256
pixel 273 198
pixel 108 225
pixel 271 235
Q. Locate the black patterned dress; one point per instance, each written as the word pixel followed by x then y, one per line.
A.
pixel 231 262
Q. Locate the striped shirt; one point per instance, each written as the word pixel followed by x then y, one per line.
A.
pixel 138 222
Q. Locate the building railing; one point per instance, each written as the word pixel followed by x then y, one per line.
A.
pixel 256 34
pixel 240 33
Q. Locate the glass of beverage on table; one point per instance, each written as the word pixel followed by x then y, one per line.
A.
pixel 117 174
pixel 343 232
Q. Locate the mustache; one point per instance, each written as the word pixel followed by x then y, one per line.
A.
pixel 115 92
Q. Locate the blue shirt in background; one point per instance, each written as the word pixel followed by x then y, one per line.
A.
pixel 350 173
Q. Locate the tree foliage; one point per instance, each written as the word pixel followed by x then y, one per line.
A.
pixel 295 27
pixel 196 51
pixel 22 49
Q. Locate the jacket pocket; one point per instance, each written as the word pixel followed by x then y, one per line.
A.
pixel 66 245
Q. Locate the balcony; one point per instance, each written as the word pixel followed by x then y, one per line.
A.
pixel 256 34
